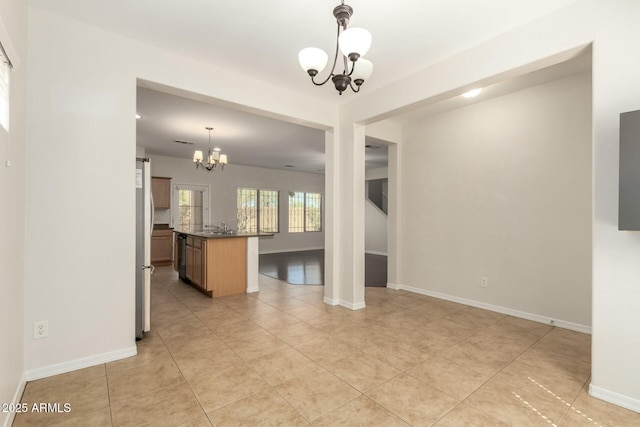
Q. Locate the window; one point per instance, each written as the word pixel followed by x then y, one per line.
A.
pixel 191 206
pixel 4 89
pixel 257 210
pixel 305 212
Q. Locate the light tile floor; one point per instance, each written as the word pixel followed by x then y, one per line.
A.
pixel 283 357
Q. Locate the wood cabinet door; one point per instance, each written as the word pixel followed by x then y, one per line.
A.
pixel 197 267
pixel 227 263
pixel 161 249
pixel 161 191
pixel 189 263
pixel 161 246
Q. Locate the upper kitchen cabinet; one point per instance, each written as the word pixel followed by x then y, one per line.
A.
pixel 629 196
pixel 161 191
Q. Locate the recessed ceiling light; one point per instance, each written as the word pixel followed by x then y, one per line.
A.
pixel 217 149
pixel 138 116
pixel 472 93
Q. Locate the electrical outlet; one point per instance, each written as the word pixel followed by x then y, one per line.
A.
pixel 40 329
pixel 484 282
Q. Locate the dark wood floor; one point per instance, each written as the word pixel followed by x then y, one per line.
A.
pixel 307 268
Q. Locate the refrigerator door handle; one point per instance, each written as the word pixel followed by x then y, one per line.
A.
pixel 153 213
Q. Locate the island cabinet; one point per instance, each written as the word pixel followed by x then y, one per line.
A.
pixel 226 266
pixel 195 267
pixel 218 267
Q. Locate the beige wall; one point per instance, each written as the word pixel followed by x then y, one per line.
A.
pixel 13 34
pixel 502 189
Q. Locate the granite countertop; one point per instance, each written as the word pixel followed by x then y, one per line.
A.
pixel 210 234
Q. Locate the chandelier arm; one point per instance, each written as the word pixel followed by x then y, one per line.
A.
pixel 320 84
pixel 356 89
pixel 335 61
pixel 346 66
pixel 353 66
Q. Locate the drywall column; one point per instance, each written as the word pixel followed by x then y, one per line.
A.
pixel 350 238
pixel 331 209
pixel 393 257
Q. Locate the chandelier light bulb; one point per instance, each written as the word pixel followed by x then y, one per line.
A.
pixel 363 69
pixel 354 41
pixel 313 59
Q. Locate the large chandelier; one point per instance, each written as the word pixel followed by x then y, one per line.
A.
pixel 353 43
pixel 214 158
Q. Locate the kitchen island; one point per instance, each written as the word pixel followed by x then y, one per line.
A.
pixel 218 264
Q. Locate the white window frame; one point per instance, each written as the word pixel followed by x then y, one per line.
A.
pixel 304 212
pixel 259 225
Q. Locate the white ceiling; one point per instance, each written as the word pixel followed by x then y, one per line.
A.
pixel 246 138
pixel 254 140
pixel 261 39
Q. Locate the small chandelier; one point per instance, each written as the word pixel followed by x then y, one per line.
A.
pixel 353 43
pixel 214 158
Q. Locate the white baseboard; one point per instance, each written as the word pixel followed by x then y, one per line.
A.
pixel 330 301
pixel 357 306
pixel 343 303
pixel 280 251
pixel 253 289
pixel 614 398
pixel 376 253
pixel 16 399
pixel 504 310
pixel 85 362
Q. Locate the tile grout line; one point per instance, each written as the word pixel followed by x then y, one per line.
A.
pixel 106 374
pixel 352 323
pixel 503 368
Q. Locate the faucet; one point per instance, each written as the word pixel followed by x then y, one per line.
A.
pixel 225 229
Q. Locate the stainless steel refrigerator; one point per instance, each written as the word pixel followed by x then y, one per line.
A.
pixel 144 225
